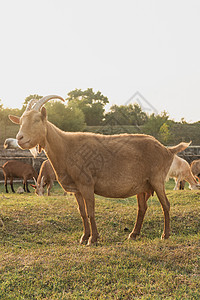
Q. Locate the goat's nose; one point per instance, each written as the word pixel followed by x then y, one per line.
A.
pixel 19 136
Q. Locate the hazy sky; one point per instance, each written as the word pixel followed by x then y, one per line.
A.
pixel 115 46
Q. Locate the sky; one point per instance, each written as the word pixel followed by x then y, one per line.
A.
pixel 118 47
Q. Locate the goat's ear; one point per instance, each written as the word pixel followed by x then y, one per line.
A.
pixel 14 119
pixel 43 113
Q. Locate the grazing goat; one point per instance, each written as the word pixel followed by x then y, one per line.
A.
pixel 115 166
pixel 195 167
pixel 17 169
pixel 11 143
pixel 180 170
pixel 46 177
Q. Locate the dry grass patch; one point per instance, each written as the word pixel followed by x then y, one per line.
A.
pixel 41 258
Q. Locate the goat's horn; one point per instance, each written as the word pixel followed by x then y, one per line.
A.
pixel 30 104
pixel 35 182
pixel 42 181
pixel 43 100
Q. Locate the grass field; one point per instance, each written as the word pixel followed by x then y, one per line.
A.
pixel 41 258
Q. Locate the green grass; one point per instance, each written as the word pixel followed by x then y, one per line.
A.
pixel 41 258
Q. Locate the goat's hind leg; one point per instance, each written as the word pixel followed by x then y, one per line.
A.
pixel 5 184
pixel 86 227
pixel 11 184
pixel 166 208
pixel 142 207
pixel 177 183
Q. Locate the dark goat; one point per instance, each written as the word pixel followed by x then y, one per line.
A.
pixel 17 169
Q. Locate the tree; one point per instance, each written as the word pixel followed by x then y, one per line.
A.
pixel 164 133
pixel 67 118
pixel 90 103
pixel 126 115
pixel 138 117
pixel 159 126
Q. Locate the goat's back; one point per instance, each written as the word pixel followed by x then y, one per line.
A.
pixel 47 171
pixel 195 167
pixel 19 169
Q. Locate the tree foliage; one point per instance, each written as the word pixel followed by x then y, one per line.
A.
pixel 67 118
pixel 159 126
pixel 90 103
pixel 126 115
pixel 87 108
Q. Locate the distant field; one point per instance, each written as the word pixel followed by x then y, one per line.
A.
pixel 41 258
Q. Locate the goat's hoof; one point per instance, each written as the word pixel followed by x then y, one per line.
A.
pixel 84 239
pixel 132 236
pixel 92 241
pixel 164 236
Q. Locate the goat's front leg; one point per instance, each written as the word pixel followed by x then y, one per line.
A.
pixel 142 207
pixel 86 226
pixel 27 189
pixel 90 208
pixel 177 181
pixel 49 187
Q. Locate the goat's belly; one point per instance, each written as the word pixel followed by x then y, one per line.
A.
pixel 121 191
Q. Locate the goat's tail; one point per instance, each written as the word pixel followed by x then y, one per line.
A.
pixel 180 147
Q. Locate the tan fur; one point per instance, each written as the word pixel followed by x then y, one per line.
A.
pixel 48 175
pixel 17 169
pixel 195 167
pixel 180 170
pixel 110 166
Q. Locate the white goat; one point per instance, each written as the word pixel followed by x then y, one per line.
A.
pixel 116 166
pixel 11 143
pixel 180 170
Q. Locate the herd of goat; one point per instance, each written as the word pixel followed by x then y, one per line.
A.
pixel 85 164
pixel 180 171
pixel 18 169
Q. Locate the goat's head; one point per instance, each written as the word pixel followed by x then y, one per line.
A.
pixel 32 123
pixel 39 187
pixel 10 143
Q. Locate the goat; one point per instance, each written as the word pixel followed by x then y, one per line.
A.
pixel 46 177
pixel 195 167
pixel 180 170
pixel 17 169
pixel 11 143
pixel 115 166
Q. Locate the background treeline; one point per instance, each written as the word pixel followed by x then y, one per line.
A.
pixel 85 111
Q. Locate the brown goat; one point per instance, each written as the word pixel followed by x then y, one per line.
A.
pixel 116 166
pixel 46 177
pixel 17 169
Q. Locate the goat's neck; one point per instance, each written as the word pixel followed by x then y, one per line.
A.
pixel 54 144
